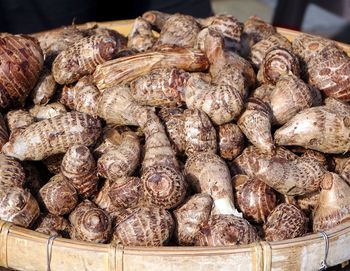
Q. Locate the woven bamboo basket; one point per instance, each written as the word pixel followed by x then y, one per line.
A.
pixel 23 249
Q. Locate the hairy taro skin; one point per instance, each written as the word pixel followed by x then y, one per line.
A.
pixel 19 118
pixel 53 136
pixel 141 37
pixel 11 172
pixel 21 62
pixel 230 141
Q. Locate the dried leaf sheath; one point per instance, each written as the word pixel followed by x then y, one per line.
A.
pixel 126 69
pixel 52 136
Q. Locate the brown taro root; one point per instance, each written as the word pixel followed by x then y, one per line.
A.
pixel 298 177
pixel 290 96
pixel 90 223
pixel 53 163
pixel 122 160
pixel 208 173
pixel 18 118
pixel 156 18
pixel 230 141
pixel 180 30
pixel 126 192
pixel 11 172
pixel 41 112
pixel 18 206
pixel 82 58
pixel 329 72
pixel 260 49
pixel 127 69
pixel 160 87
pixel 53 136
pixel 255 123
pixel 82 97
pixel 199 133
pixel 333 206
pixel 174 124
pixel 226 230
pixel 285 222
pixel 163 183
pixel 4 136
pixel 141 37
pixel 248 162
pixel 21 62
pixel 255 29
pixel 321 128
pixel 221 102
pixel 101 198
pixel 55 41
pixel 277 63
pixel 190 217
pixel 263 92
pixel 52 225
pixel 308 202
pixel 117 106
pixel 306 46
pixel 58 196
pixel 256 200
pixel 45 88
pixel 144 226
pixel 79 168
pixel 120 39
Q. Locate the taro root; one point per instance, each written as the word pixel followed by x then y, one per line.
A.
pixel 247 163
pixel 55 41
pixel 180 30
pixel 333 206
pixel 126 69
pixel 97 30
pixel 190 217
pixel 329 72
pixel 208 173
pixel 160 87
pixel 298 177
pixel 21 62
pixel 44 89
pixel 277 63
pixel 290 96
pixel 53 136
pixel 122 160
pixel 255 29
pixel 319 128
pixel 199 133
pixel 18 206
pixel 53 163
pixel 230 141
pixel 156 18
pixel 260 49
pixel 263 92
pixel 58 196
pixel 52 225
pixel 42 112
pixel 308 202
pixel 144 226
pixel 174 124
pixel 82 97
pixel 285 222
pixel 255 123
pixel 18 118
pixel 82 58
pixel 79 168
pixel 101 198
pixel 126 192
pixel 226 230
pixel 163 183
pixel 3 132
pixel 256 200
pixel 11 172
pixel 222 102
pixel 90 223
pixel 141 37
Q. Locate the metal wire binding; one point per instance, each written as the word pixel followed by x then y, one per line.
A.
pixel 50 241
pixel 324 265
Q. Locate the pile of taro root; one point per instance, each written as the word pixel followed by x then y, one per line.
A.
pixel 210 132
